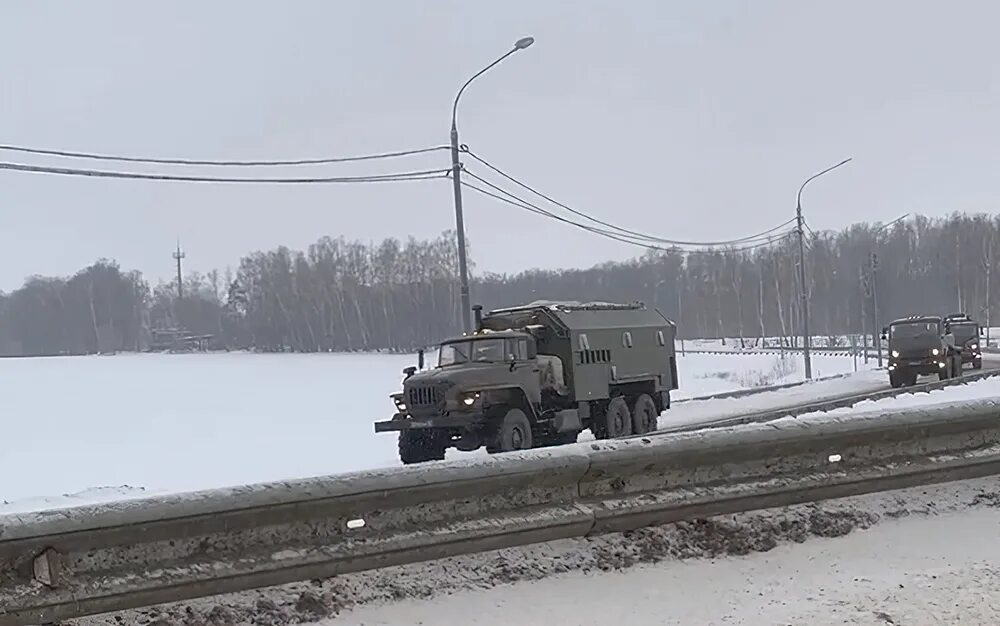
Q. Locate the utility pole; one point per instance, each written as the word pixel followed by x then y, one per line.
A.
pixel 456 181
pixel 178 255
pixel 803 289
pixel 875 330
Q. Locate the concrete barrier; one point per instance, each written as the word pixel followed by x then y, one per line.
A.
pixel 66 564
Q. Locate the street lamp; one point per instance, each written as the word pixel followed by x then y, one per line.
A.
pixel 873 259
pixel 456 172
pixel 802 268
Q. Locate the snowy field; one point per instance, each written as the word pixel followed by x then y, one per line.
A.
pixel 86 429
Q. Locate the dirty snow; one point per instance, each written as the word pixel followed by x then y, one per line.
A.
pixel 93 429
pixel 896 553
pixel 906 571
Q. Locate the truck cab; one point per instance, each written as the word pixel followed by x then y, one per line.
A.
pixel 921 346
pixel 537 375
pixel 967 333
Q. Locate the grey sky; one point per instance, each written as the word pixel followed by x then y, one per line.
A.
pixel 693 120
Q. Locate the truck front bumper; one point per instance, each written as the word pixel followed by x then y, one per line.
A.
pixel 456 421
pixel 922 366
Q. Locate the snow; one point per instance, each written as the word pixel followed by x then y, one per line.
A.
pixel 91 429
pixel 914 570
pixel 985 388
pixel 700 411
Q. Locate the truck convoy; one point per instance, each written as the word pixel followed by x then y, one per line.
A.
pixel 537 375
pixel 921 345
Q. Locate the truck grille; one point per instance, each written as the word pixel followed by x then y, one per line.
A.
pixel 424 396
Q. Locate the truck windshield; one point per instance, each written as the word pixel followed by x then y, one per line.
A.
pixel 913 329
pixel 477 350
pixel 964 332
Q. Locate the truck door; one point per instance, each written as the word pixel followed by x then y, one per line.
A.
pixel 524 372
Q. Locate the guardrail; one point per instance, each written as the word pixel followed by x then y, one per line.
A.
pixel 70 563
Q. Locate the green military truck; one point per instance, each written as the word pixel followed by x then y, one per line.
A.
pixel 921 346
pixel 537 375
pixel 967 332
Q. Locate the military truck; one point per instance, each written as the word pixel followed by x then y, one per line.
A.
pixel 967 333
pixel 537 375
pixel 921 346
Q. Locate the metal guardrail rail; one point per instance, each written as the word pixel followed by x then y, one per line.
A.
pixel 74 562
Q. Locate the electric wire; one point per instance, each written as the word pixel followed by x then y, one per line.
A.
pixel 171 161
pixel 514 200
pixel 527 187
pixel 370 178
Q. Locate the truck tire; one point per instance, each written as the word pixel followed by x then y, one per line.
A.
pixel 417 445
pixel 617 419
pixel 911 379
pixel 644 415
pixel 514 433
pixel 895 380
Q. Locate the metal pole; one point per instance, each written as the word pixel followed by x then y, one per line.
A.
pixel 178 255
pixel 875 329
pixel 803 294
pixel 456 172
pixel 463 264
pixel 803 290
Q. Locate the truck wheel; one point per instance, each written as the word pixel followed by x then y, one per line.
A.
pixel 895 381
pixel 617 419
pixel 514 433
pixel 911 379
pixel 644 415
pixel 417 445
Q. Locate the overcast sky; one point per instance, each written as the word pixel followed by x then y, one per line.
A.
pixel 691 120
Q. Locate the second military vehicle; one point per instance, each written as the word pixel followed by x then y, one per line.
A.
pixel 537 375
pixel 967 332
pixel 920 346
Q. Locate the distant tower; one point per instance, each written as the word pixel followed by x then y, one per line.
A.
pixel 178 255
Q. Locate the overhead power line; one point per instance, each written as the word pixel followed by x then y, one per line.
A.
pixel 371 178
pixel 164 161
pixel 625 231
pixel 514 200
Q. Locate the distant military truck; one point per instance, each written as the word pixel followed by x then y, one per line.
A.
pixel 537 375
pixel 967 333
pixel 921 346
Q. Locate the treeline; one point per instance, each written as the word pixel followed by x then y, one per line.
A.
pixel 343 296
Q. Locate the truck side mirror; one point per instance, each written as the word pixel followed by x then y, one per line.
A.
pixel 885 332
pixel 420 359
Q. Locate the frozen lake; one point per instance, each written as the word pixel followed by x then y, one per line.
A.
pixel 100 428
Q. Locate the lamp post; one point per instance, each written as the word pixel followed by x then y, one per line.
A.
pixel 873 259
pixel 456 173
pixel 803 292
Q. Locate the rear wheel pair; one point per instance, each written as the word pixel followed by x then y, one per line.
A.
pixel 621 421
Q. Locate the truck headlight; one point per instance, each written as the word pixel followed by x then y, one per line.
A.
pixel 895 354
pixel 935 352
pixel 400 404
pixel 470 399
pixel 975 346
